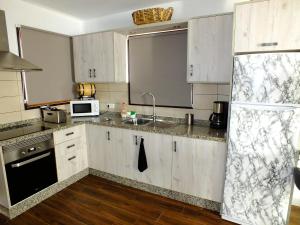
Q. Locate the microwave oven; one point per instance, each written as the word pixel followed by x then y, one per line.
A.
pixel 84 108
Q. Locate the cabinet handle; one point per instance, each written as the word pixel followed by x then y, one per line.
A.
pixel 71 146
pixel 191 70
pixel 175 146
pixel 90 73
pixel 73 157
pixel 268 44
pixel 108 135
pixel 94 71
pixel 68 134
pixel 136 140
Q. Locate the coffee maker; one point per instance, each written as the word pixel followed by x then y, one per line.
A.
pixel 218 119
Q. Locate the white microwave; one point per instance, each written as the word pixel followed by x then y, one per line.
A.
pixel 84 108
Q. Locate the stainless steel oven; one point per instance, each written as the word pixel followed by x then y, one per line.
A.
pixel 30 167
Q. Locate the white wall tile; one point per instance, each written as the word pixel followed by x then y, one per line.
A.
pixel 10 117
pixel 9 88
pixel 204 101
pixel 223 89
pixel 9 104
pixel 223 98
pixel 8 75
pixel 206 89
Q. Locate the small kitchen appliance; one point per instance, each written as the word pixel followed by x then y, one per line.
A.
pixel 86 107
pixel 54 115
pixel 218 119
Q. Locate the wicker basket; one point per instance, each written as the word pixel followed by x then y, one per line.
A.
pixel 152 15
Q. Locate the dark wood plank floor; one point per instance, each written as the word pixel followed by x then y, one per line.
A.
pixel 93 200
pixel 295 216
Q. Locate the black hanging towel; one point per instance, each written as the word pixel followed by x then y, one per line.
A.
pixel 142 163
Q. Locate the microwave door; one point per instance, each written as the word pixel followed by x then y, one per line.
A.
pixel 82 108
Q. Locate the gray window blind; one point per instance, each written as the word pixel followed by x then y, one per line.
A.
pixel 158 63
pixel 53 53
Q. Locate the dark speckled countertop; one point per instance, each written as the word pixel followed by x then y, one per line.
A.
pixel 200 130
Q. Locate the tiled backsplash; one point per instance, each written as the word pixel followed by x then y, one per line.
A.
pixel 204 96
pixel 11 99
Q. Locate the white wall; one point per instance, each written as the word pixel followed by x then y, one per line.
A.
pixel 21 13
pixel 183 10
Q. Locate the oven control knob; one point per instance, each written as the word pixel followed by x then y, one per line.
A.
pixel 23 153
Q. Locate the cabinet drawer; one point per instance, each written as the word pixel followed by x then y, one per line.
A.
pixel 67 134
pixel 68 148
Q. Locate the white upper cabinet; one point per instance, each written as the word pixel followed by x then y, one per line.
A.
pixel 100 57
pixel 270 25
pixel 210 49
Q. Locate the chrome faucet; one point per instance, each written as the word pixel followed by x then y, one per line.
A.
pixel 153 103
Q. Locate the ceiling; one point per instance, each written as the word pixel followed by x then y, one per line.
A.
pixel 90 9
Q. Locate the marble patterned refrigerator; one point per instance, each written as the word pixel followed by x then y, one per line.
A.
pixel 263 138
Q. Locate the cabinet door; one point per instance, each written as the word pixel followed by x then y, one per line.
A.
pixel 158 150
pixel 254 27
pixel 82 58
pixel 286 31
pixel 103 56
pixel 199 168
pixel 210 49
pixel 105 145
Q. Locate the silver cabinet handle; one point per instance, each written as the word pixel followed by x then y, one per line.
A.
pixel 73 157
pixel 71 146
pixel 94 71
pixel 108 135
pixel 191 70
pixel 68 134
pixel 268 44
pixel 136 140
pixel 175 146
pixel 90 73
pixel 16 165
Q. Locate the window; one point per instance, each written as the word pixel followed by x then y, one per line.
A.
pixel 158 64
pixel 53 53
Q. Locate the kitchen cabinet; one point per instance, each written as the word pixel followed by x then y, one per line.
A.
pixel 210 49
pixel 70 153
pixel 199 167
pixel 270 25
pixel 100 57
pixel 105 149
pixel 158 150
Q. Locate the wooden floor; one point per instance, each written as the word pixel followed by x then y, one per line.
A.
pixel 93 200
pixel 295 216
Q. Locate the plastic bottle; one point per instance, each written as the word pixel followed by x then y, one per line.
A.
pixel 123 110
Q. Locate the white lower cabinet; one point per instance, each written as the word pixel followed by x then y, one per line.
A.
pixel 70 154
pixel 105 149
pixel 191 166
pixel 199 167
pixel 158 149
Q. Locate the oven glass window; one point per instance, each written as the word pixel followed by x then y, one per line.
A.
pixel 82 108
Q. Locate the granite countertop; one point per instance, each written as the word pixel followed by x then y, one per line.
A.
pixel 200 130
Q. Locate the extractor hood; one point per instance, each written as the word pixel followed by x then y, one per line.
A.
pixel 8 60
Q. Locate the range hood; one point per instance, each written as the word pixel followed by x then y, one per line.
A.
pixel 8 60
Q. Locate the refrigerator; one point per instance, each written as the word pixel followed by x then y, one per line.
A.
pixel 263 138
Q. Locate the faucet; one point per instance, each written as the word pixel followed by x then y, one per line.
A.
pixel 153 103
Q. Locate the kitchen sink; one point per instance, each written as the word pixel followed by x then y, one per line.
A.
pixel 140 121
pixel 162 124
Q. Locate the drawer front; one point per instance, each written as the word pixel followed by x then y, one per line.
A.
pixel 68 148
pixel 71 166
pixel 67 134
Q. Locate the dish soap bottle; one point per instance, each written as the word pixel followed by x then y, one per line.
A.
pixel 123 110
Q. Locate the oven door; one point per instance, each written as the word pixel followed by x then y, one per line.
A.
pixel 30 175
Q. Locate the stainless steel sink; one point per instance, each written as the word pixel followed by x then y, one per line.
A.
pixel 141 121
pixel 162 124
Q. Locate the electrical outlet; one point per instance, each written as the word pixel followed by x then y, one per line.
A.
pixel 110 106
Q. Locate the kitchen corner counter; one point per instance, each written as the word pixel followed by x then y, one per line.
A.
pixel 198 131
